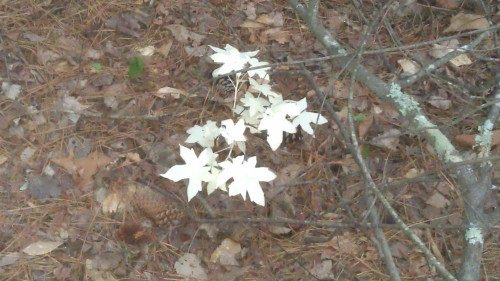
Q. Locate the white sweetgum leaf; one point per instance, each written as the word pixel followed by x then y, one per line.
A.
pixel 204 135
pixel 246 178
pixel 254 105
pixel 195 170
pixel 305 118
pixel 276 124
pixel 233 132
pixel 264 89
pixel 230 58
pixel 251 121
pixel 261 72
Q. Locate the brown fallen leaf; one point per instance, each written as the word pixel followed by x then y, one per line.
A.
pixel 365 125
pixel 470 140
pixel 83 169
pixel 463 22
pixel 226 252
pixel 438 200
pixel 41 247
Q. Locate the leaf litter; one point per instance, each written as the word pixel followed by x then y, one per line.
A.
pixel 79 173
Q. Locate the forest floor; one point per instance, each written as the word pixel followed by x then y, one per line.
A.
pixel 84 126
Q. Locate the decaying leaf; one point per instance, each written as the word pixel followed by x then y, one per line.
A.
pixel 44 187
pixel 83 169
pixel 165 48
pixel 189 265
pixel 389 139
pixel 408 66
pixel 42 247
pixel 183 35
pixel 323 270
pixel 165 92
pixel 73 105
pixel 27 153
pixel 446 47
pixel 413 173
pixel 128 23
pixel 438 200
pixel 101 267
pixel 276 34
pixel 3 158
pixel 365 125
pixel 345 244
pixel 470 140
pixel 463 22
pixel 117 201
pixel 225 253
pixel 439 102
pixel 146 51
pixel 9 259
pixel 112 203
pixel 11 91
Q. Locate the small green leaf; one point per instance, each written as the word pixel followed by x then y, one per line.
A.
pixel 135 67
pixel 25 185
pixel 360 117
pixel 97 66
pixel 365 151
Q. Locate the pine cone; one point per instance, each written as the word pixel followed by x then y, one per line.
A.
pixel 160 208
pixel 224 86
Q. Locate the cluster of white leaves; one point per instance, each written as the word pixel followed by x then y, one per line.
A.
pixel 260 109
pixel 232 60
pixel 204 168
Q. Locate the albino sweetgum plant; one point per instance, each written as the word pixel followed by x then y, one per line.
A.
pixel 261 109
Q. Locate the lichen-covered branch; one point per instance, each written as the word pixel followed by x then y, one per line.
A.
pixel 474 190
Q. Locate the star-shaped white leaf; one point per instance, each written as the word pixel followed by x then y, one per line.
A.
pixel 252 122
pixel 204 136
pixel 230 58
pixel 276 123
pixel 288 107
pixel 261 72
pixel 233 132
pixel 246 178
pixel 265 89
pixel 195 170
pixel 306 118
pixel 255 105
pixel 213 181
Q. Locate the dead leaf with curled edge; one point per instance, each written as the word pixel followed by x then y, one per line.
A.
pixel 463 22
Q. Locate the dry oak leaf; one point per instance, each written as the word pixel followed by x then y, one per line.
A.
pixel 83 169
